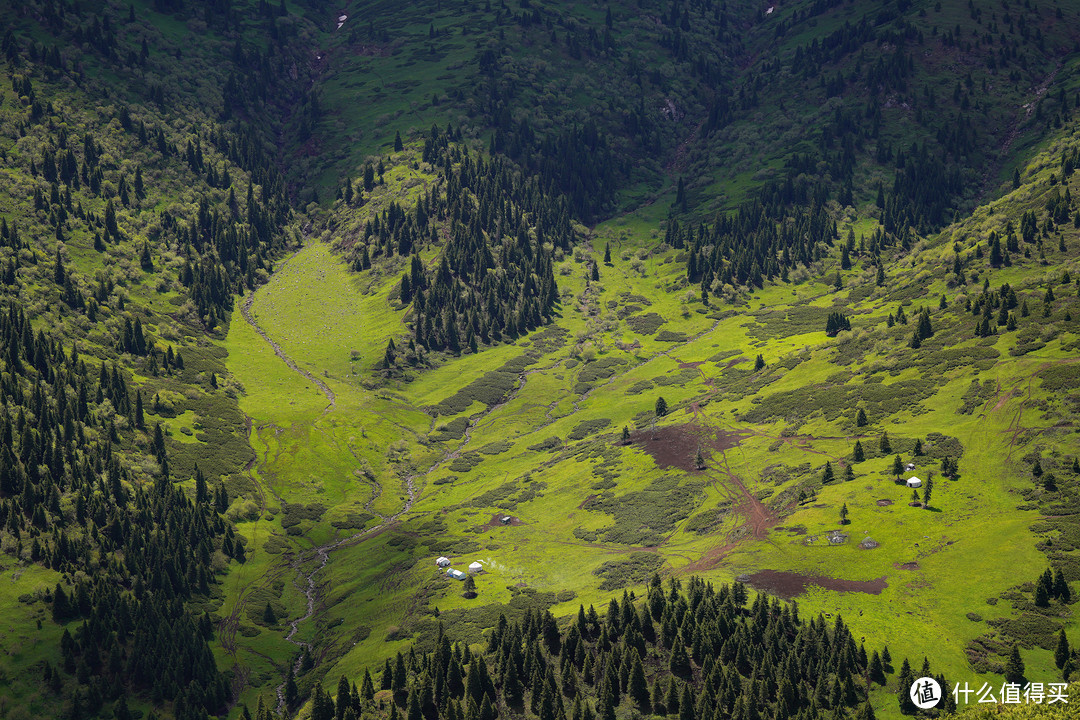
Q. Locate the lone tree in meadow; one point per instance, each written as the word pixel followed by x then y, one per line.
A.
pixel 625 435
pixel 844 514
pixel 860 418
pixel 469 587
pixel 699 459
pixel 759 362
pixel 928 489
pixel 827 475
pixel 885 446
pixel 1014 668
pixel 661 407
pixel 857 454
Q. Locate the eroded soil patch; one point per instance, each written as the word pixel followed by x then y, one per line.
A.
pixel 497 520
pixel 789 585
pixel 676 446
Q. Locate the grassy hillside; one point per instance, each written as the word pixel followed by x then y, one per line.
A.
pixel 532 429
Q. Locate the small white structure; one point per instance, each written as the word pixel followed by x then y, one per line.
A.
pixel 506 519
pixel 442 562
pixel 475 567
pixel 910 467
pixel 914 482
pixel 455 574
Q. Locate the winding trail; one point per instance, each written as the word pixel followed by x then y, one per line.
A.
pixel 306 582
pixel 249 317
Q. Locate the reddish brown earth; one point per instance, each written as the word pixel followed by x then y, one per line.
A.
pixel 496 520
pixel 675 446
pixel 907 566
pixel 884 503
pixel 684 365
pixel 587 500
pixel 789 585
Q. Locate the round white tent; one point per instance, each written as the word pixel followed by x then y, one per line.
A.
pixel 475 567
pixel 914 482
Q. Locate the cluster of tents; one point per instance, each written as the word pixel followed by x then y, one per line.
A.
pixel 444 562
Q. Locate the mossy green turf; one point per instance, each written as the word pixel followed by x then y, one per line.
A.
pixel 378 594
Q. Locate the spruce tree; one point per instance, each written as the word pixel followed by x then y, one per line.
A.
pixel 1061 652
pixel 903 689
pixel 637 685
pixel 1014 668
pixel 292 693
pixel 1061 587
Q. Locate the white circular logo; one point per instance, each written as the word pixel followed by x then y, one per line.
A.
pixel 925 693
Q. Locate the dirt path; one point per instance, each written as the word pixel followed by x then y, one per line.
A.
pixel 245 310
pixel 1015 428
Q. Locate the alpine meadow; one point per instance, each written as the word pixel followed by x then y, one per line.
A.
pixel 539 360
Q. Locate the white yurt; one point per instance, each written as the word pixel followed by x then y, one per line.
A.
pixel 914 482
pixel 475 567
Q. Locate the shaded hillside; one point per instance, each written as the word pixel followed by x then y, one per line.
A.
pixel 135 206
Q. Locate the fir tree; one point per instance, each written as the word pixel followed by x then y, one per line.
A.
pixel 1061 652
pixel 1014 668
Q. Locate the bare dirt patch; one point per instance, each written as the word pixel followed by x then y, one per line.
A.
pixel 884 503
pixel 676 446
pixel 497 520
pixel 789 585
pixel 907 566
pixel 586 501
pixel 695 364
